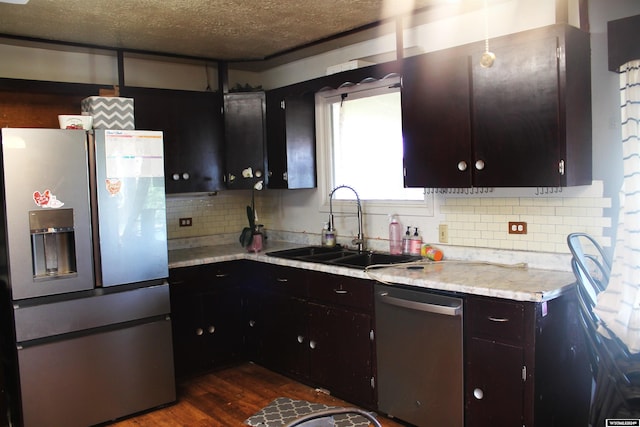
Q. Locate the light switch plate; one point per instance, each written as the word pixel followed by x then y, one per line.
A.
pixel 443 233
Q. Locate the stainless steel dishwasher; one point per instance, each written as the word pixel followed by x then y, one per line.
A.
pixel 419 351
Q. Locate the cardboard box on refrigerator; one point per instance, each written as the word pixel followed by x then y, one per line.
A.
pixel 109 112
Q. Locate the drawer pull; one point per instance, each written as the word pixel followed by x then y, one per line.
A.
pixel 221 275
pixel 340 291
pixel 282 279
pixel 498 319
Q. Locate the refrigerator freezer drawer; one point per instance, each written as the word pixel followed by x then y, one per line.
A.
pixel 73 315
pixel 97 378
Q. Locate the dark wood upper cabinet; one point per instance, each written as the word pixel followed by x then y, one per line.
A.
pixel 523 122
pixel 245 139
pixel 193 135
pixel 436 120
pixel 291 140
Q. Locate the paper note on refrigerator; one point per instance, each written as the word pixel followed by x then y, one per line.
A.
pixel 134 154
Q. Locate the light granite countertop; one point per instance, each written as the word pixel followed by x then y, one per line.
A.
pixel 510 281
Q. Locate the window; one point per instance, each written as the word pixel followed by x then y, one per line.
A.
pixel 361 145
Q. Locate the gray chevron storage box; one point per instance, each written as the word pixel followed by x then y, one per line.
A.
pixel 109 112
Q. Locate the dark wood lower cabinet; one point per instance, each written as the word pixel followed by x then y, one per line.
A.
pixel 300 326
pixel 341 352
pixel 525 362
pixel 206 306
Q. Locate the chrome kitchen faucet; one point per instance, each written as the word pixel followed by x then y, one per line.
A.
pixel 359 240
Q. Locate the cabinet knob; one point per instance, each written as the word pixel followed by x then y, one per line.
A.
pixel 478 393
pixel 199 331
pixel 211 329
pixel 312 344
pixel 480 165
pixel 285 176
pixel 175 177
pixel 462 165
pixel 252 323
pixel 186 176
pixel 300 339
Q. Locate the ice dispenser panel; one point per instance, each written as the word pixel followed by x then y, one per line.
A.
pixel 52 243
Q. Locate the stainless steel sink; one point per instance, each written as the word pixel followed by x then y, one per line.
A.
pixel 341 256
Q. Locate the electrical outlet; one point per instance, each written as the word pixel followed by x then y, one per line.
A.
pixel 186 222
pixel 517 227
pixel 443 233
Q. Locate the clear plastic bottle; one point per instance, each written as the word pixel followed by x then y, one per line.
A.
pixel 395 235
pixel 329 236
pixel 406 242
pixel 323 234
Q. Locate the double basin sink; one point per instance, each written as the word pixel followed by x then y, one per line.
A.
pixel 342 256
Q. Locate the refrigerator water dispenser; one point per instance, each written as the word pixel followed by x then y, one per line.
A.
pixel 52 243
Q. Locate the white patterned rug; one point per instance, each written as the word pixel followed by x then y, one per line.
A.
pixel 284 410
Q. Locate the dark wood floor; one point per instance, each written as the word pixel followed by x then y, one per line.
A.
pixel 230 396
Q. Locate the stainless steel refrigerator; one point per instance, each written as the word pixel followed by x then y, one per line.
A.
pixel 86 327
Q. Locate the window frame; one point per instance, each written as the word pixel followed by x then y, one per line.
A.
pixel 324 155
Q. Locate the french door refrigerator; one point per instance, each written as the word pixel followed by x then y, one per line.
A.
pixel 86 327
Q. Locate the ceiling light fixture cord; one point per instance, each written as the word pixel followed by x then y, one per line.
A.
pixel 487 59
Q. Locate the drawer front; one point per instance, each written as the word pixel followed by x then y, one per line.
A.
pixel 204 277
pixel 285 280
pixel 495 318
pixel 204 272
pixel 341 290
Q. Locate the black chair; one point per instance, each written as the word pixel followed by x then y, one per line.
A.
pixel 615 370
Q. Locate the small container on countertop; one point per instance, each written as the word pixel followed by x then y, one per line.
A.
pixel 430 252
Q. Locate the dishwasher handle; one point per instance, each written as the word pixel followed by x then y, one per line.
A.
pixel 447 310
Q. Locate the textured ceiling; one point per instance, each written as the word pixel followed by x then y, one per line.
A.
pixel 216 29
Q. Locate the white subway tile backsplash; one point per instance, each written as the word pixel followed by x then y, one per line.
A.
pixel 549 219
pixel 474 220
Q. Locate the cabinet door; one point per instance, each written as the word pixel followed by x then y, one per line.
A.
pixel 283 340
pixel 244 120
pixel 436 122
pixel 186 323
pixel 193 135
pixel 494 394
pixel 516 123
pixel 222 325
pixel 291 137
pixel 341 352
pixel 277 322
